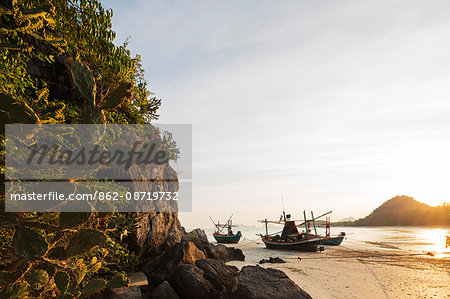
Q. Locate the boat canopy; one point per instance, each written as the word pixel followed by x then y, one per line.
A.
pixel 289 228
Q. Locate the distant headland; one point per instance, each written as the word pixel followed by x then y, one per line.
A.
pixel 403 210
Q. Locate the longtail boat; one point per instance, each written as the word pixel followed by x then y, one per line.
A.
pixel 291 238
pixel 328 239
pixel 229 237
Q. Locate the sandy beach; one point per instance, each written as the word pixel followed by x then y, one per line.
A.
pixel 353 270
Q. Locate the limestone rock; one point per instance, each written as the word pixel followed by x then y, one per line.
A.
pixel 163 267
pixel 199 234
pixel 272 260
pixel 190 283
pixel 258 282
pixel 164 291
pixel 219 274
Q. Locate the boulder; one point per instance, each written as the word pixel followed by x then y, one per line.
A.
pixel 234 254
pixel 261 283
pixel 199 234
pixel 272 260
pixel 156 232
pixel 164 291
pixel 190 283
pixel 219 251
pixel 223 277
pixel 164 267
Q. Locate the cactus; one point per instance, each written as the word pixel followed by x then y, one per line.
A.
pixel 80 272
pixel 93 115
pixel 36 278
pixel 94 286
pixel 117 96
pixel 29 244
pixel 84 240
pixel 62 281
pixel 14 111
pixel 83 80
pixel 116 282
pixel 72 219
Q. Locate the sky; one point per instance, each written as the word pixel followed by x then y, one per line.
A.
pixel 332 105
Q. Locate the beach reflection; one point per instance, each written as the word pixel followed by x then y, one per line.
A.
pixel 436 239
pixel 413 240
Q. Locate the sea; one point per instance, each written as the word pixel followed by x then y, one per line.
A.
pixel 410 239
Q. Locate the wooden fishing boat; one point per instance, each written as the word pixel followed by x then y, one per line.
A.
pixel 233 238
pixel 328 239
pixel 299 242
pixel 291 238
pixel 228 237
pixel 333 241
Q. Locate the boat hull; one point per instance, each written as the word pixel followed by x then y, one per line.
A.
pixel 233 239
pixel 333 241
pixel 303 245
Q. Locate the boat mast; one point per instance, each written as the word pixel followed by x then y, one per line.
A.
pixel 314 222
pixel 284 212
pixel 306 224
pixel 267 232
pixel 216 225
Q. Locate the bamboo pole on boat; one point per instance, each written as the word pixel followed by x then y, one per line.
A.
pixel 306 224
pixel 267 231
pixel 298 225
pixel 314 222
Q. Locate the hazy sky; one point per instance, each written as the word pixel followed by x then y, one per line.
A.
pixel 338 105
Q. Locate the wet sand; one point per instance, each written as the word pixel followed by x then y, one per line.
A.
pixel 355 270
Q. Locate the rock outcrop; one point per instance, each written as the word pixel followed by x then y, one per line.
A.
pixel 272 260
pixel 156 231
pixel 258 282
pixel 222 276
pixel 164 267
pixel 222 252
pixel 190 283
pixel 164 291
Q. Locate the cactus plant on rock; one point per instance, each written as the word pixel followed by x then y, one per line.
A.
pixel 84 80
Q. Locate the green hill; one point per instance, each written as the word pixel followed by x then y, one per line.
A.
pixel 403 211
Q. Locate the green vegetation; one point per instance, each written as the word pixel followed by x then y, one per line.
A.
pixel 41 40
pixel 59 65
pixel 403 211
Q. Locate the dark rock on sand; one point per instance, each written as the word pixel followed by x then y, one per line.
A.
pixel 272 260
pixel 223 277
pixel 258 282
pixel 164 291
pixel 211 278
pixel 190 283
pixel 164 267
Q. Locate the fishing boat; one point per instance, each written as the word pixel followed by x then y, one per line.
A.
pixel 291 238
pixel 228 237
pixel 328 239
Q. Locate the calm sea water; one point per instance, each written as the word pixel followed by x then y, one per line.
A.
pixel 414 239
